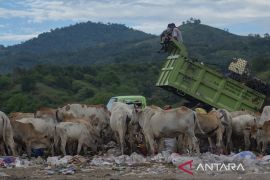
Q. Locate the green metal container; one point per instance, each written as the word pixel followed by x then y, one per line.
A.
pixel 130 100
pixel 192 79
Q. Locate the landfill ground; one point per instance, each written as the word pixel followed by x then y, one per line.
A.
pixel 114 174
pixel 113 166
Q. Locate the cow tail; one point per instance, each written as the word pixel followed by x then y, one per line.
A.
pixel 55 140
pixel 56 116
pixel 4 128
pixel 197 122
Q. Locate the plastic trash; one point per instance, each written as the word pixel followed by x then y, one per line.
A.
pixel 2 174
pixel 163 157
pixel 68 171
pixel 114 151
pixel 2 163
pixel 170 144
pixel 65 160
pixel 122 160
pixel 245 155
pixel 56 160
pixel 100 162
pixel 266 158
pixel 9 159
pixel 50 172
pixel 137 158
pixel 37 152
pixel 53 160
pixel 78 160
pixel 111 144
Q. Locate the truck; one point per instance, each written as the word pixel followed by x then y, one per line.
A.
pixel 129 100
pixel 201 84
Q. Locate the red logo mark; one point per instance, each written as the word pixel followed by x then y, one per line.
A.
pixel 181 167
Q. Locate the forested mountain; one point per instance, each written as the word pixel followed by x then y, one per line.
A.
pixel 91 62
pixel 79 36
pixel 212 45
pixel 96 43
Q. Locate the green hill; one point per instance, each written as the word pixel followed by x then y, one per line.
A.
pixel 79 36
pixel 95 43
pixel 212 45
pixel 54 86
pixel 78 64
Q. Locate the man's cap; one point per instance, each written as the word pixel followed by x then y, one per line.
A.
pixel 171 25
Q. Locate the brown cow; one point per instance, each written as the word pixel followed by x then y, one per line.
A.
pixel 25 135
pixel 262 135
pixel 46 113
pixel 97 115
pixel 211 126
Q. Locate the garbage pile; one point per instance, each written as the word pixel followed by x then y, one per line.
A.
pixel 11 162
pixel 160 162
pixel 165 162
pixel 66 165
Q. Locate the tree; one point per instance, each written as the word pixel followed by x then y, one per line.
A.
pixel 28 84
pixel 266 35
pixel 4 82
pixel 197 21
pixel 257 36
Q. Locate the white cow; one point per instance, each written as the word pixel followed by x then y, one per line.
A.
pixel 98 115
pixel 242 126
pixel 265 116
pixel 120 116
pixel 44 126
pixel 226 121
pixel 157 124
pixel 74 131
pixel 6 132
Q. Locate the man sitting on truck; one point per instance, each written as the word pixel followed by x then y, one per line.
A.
pixel 171 32
pixel 176 33
pixel 165 38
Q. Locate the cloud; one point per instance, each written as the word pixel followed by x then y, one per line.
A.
pixel 17 37
pixel 214 10
pixel 148 15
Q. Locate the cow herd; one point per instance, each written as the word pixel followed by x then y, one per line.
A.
pixel 78 128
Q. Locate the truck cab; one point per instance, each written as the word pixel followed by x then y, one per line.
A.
pixel 138 101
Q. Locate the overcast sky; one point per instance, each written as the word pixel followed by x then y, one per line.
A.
pixel 23 19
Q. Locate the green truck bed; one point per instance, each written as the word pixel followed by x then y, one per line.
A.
pixel 192 79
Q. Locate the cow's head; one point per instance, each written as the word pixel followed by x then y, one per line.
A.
pixel 59 115
pixel 136 115
pixel 253 132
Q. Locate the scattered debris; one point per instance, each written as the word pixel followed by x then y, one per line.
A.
pixel 137 164
pixel 57 161
pixel 245 155
pixel 2 174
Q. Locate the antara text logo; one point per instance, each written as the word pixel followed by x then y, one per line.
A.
pixel 187 167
